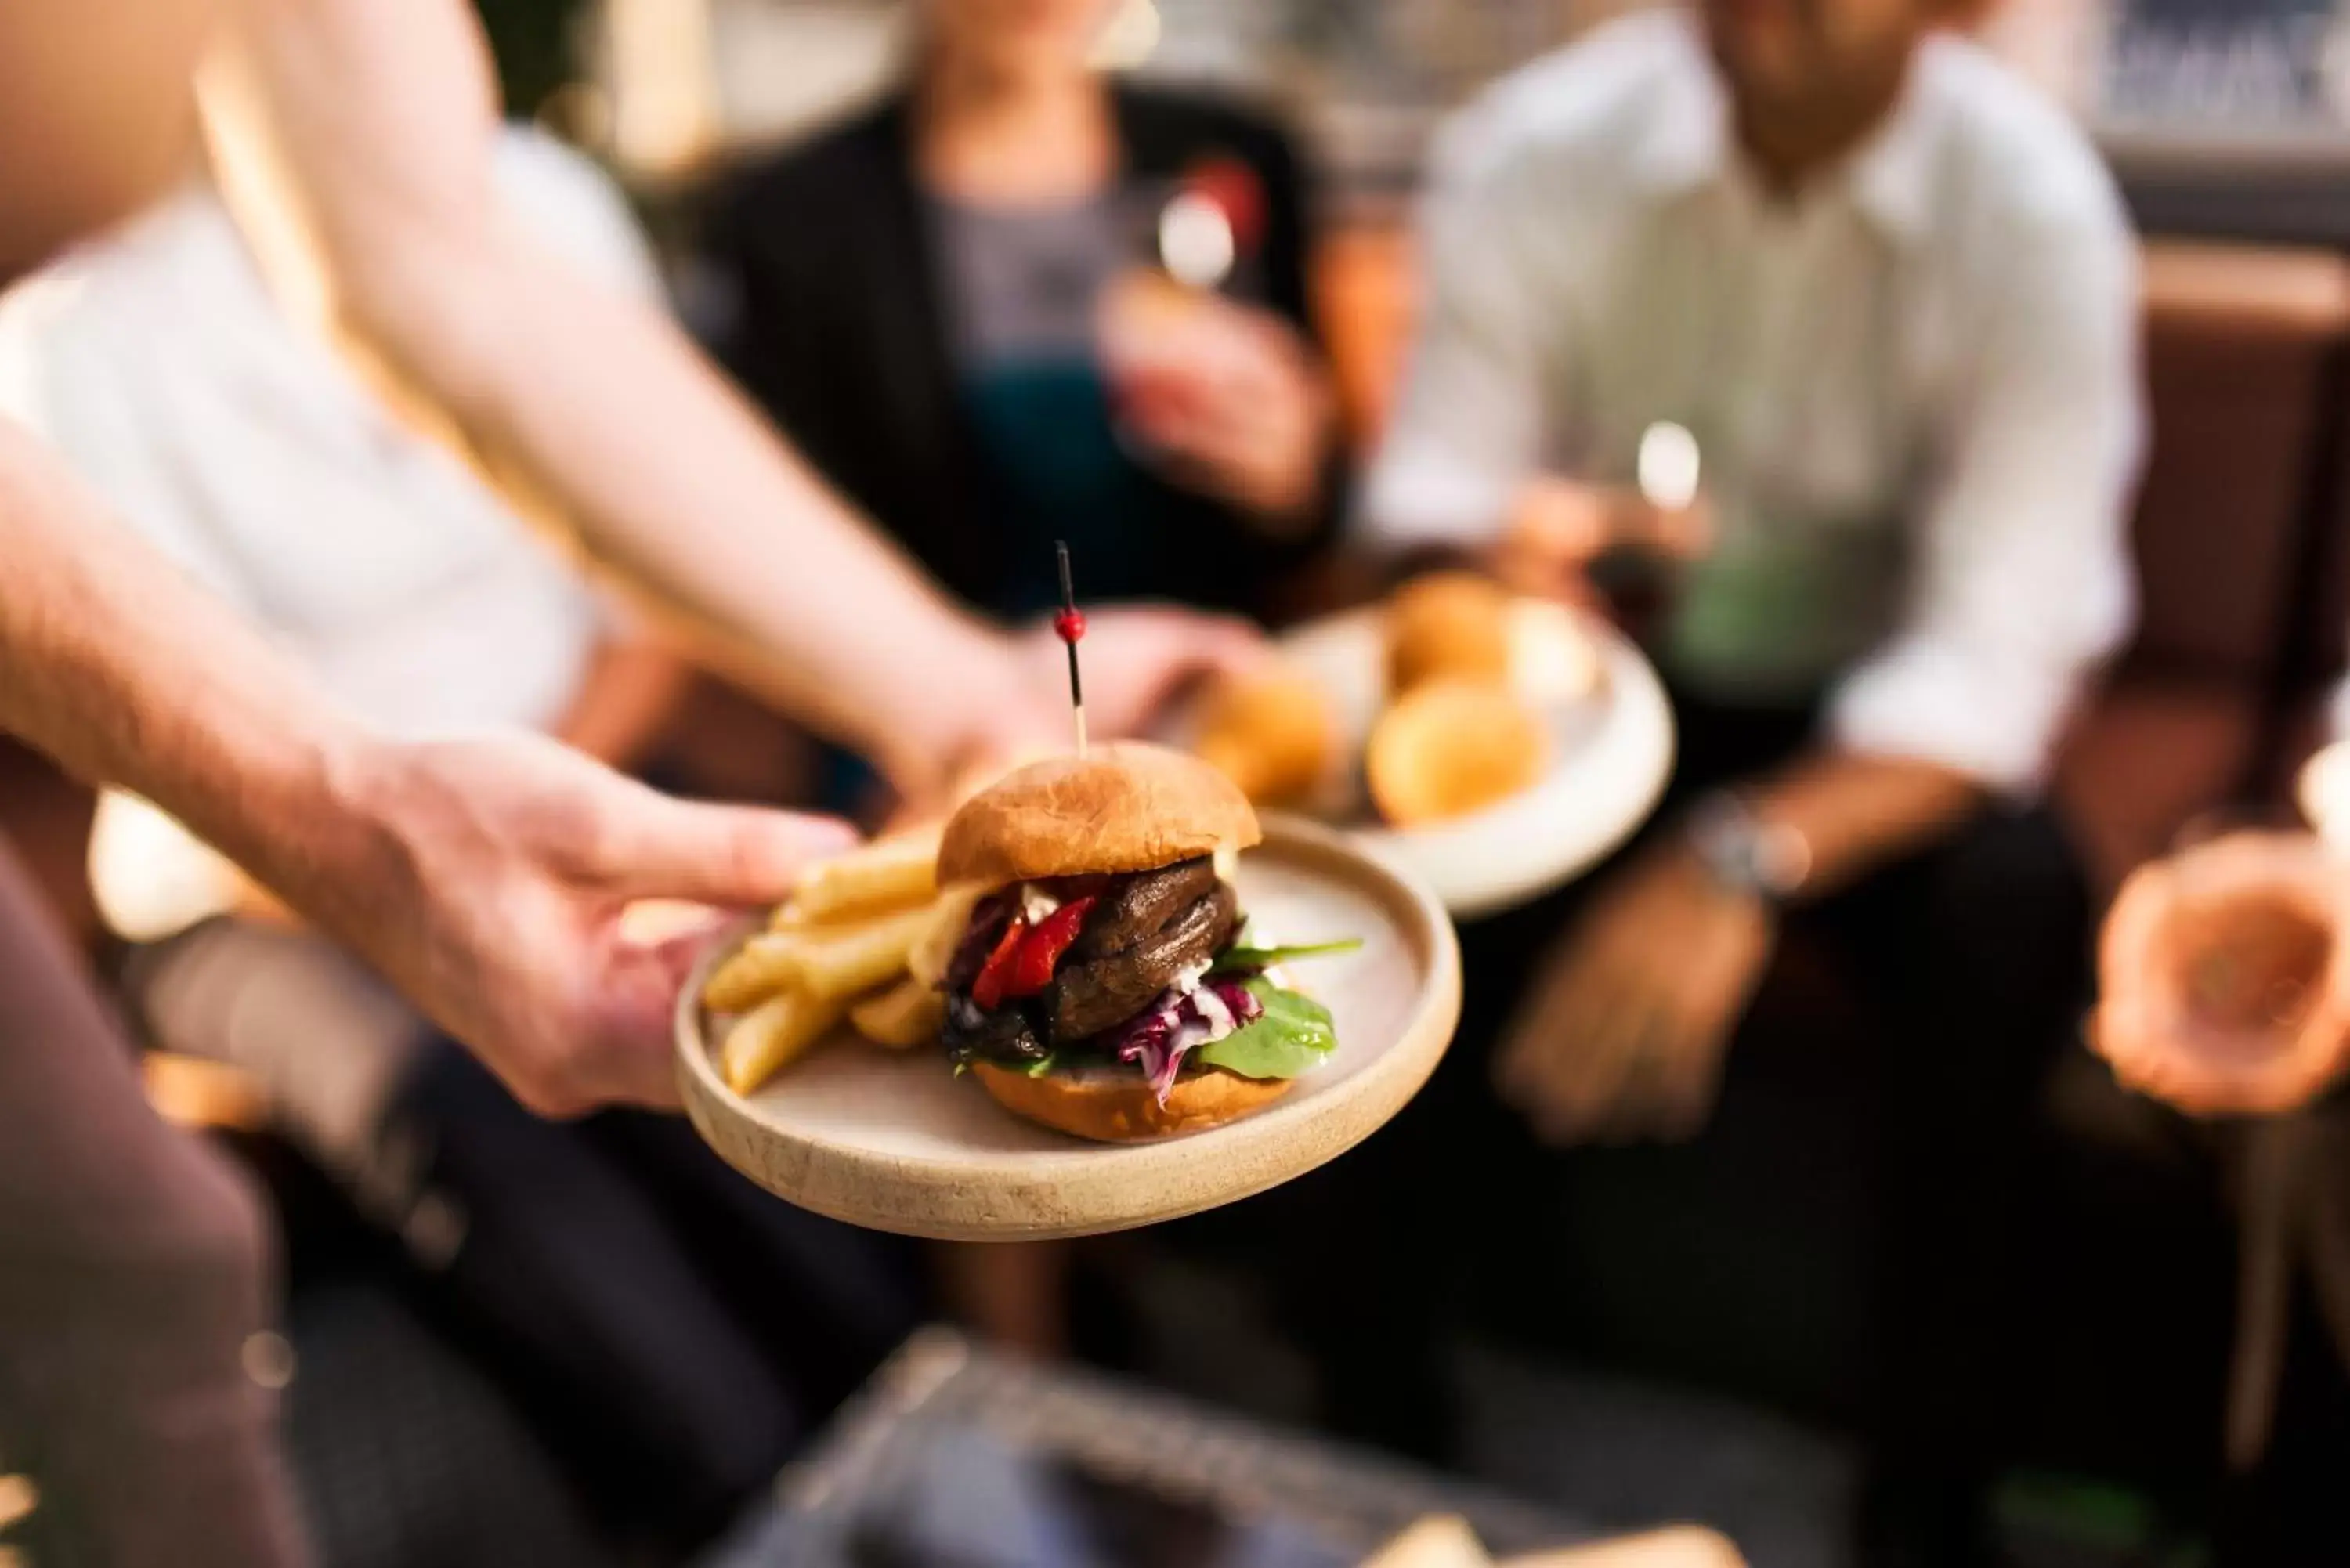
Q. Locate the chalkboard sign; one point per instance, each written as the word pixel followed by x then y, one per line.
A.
pixel 2228 64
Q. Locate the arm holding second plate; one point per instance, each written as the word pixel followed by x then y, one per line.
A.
pixel 2021 588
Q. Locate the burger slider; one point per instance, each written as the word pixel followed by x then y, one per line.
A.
pixel 1100 987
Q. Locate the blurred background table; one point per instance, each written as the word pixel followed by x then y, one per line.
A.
pixel 955 1458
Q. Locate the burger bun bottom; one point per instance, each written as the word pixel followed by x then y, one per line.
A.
pixel 1117 1105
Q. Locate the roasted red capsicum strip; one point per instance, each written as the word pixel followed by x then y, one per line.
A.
pixel 987 990
pixel 1041 950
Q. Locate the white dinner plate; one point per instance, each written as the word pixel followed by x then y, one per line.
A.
pixel 1611 753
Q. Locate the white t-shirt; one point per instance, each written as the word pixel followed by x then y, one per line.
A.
pixel 1916 388
pixel 158 364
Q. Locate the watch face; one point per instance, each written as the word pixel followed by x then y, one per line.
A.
pixel 1783 858
pixel 1722 849
pixel 1746 853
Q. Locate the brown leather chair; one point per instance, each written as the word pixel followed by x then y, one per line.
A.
pixel 2319 656
pixel 2239 345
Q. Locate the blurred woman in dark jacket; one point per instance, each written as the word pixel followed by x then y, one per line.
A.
pixel 955 303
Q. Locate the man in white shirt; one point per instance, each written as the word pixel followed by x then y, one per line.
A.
pixel 1902 328
pixel 1890 293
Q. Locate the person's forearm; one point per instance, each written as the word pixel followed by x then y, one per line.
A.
pixel 680 489
pixel 1858 812
pixel 360 137
pixel 128 674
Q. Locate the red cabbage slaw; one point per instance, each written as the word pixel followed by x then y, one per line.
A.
pixel 1179 1022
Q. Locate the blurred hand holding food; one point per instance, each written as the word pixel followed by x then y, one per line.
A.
pixel 1227 395
pixel 1560 527
pixel 2224 983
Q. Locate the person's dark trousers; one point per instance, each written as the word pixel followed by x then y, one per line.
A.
pixel 1864 1150
pixel 677 1331
pixel 135 1267
pixel 2289 1513
pixel 1974 958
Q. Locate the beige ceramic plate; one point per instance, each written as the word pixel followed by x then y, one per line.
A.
pixel 1611 751
pixel 894 1141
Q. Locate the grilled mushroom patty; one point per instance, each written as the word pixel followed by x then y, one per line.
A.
pixel 1088 998
pixel 1137 907
pixel 1147 929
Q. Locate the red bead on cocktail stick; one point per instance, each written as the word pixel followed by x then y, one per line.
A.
pixel 1070 625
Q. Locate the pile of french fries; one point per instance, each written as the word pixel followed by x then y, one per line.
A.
pixel 866 937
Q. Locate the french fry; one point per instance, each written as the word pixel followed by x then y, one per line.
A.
pixel 927 961
pixel 754 973
pixel 771 1036
pixel 849 960
pixel 791 920
pixel 887 874
pixel 908 1013
pixel 790 917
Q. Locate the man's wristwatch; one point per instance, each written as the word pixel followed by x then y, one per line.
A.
pixel 1746 855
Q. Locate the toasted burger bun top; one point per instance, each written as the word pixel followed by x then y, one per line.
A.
pixel 1116 1104
pixel 1123 807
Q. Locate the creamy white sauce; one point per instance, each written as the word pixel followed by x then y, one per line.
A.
pixel 1035 903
